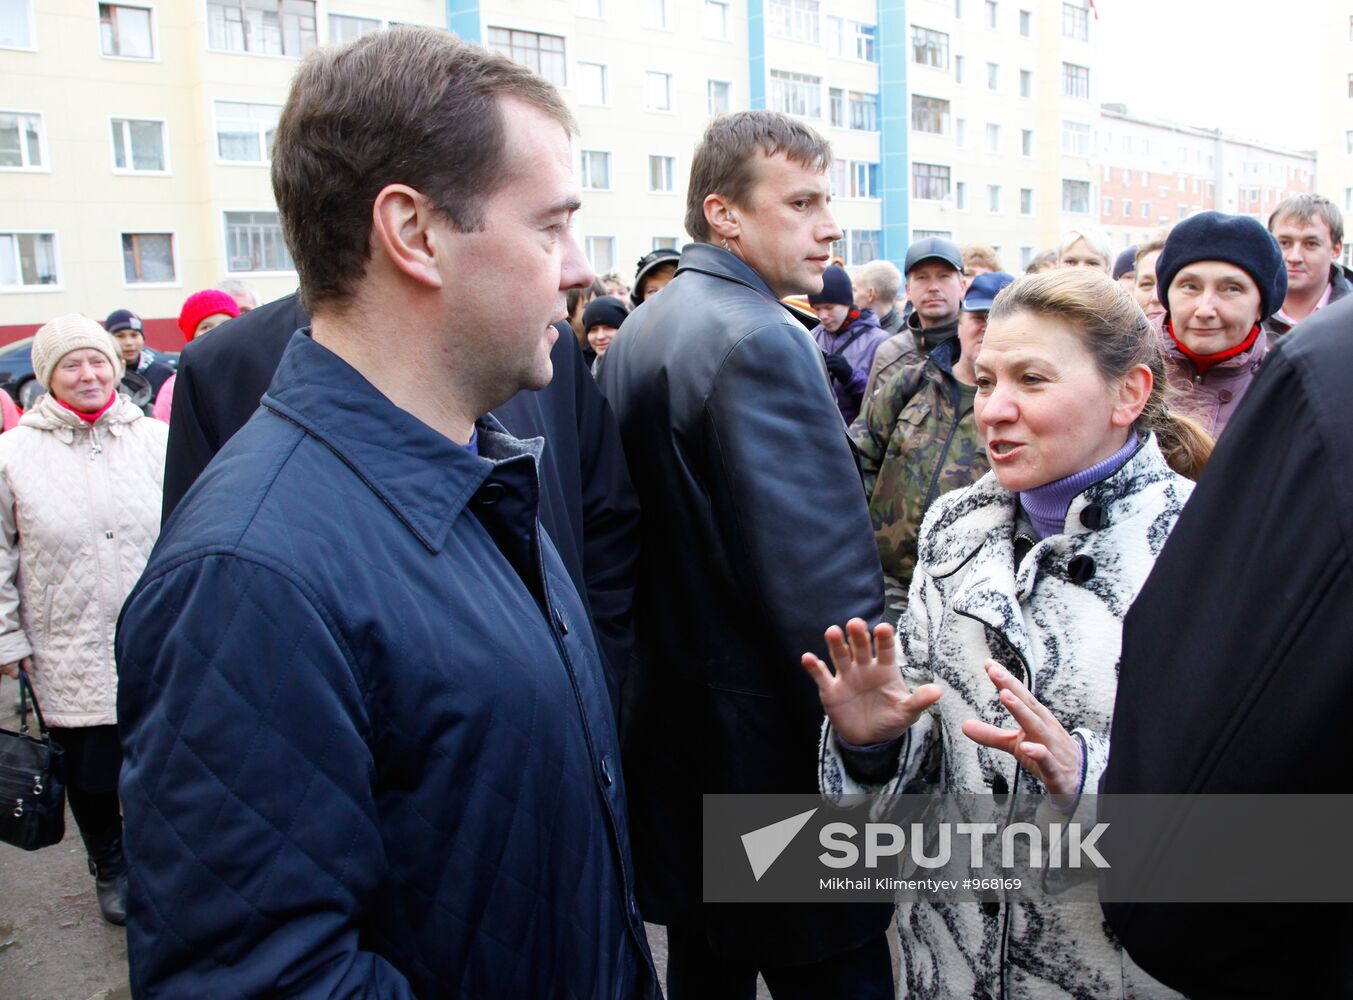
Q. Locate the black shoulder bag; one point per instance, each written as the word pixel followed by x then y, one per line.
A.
pixel 32 787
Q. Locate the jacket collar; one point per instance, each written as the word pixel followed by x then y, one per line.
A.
pixel 709 259
pixel 932 336
pixel 46 414
pixel 1243 362
pixel 425 478
pixel 978 530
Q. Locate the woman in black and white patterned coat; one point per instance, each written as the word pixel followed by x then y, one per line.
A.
pixel 1009 649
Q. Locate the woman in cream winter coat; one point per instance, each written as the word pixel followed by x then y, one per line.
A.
pixel 1009 647
pixel 80 484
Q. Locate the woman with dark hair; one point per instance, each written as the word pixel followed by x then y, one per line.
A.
pixel 1021 585
pixel 575 301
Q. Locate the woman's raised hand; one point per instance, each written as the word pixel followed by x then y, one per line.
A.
pixel 1040 744
pixel 867 701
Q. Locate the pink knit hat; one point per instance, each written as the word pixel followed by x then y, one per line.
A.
pixel 203 304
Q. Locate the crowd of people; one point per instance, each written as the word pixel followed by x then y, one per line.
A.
pixel 399 662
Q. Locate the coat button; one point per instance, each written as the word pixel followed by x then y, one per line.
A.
pixel 1081 569
pixel 999 786
pixel 559 621
pixel 1224 395
pixel 490 494
pixel 991 908
pixel 606 778
pixel 1094 516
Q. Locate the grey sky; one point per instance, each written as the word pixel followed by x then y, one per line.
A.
pixel 1248 67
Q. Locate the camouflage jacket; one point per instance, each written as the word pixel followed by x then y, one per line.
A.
pixel 914 445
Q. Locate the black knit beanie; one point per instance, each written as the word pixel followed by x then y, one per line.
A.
pixel 836 289
pixel 604 310
pixel 1127 261
pixel 1233 239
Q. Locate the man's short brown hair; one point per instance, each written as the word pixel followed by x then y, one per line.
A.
pixel 408 106
pixel 1307 208
pixel 980 255
pixel 725 162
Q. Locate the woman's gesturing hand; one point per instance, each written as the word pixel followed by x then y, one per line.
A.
pixel 1040 744
pixel 867 701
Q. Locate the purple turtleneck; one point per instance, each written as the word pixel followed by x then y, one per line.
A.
pixel 1047 505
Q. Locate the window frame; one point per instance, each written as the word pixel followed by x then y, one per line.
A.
pixel 44 151
pixel 57 286
pixel 797 16
pixel 945 116
pixel 149 8
pixel 671 92
pixel 173 254
pixel 1074 73
pixel 709 97
pixel 672 173
pixel 605 68
pixel 31 6
pixel 817 85
pixel 665 6
pixel 931 178
pixel 259 55
pixel 931 46
pixel 164 145
pixel 1082 138
pixel 727 6
pixel 1089 196
pixel 584 175
pixel 225 214
pixel 266 161
pixel 1031 201
pixel 615 250
pixel 599 16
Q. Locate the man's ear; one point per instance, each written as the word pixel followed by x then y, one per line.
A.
pixel 401 229
pixel 722 218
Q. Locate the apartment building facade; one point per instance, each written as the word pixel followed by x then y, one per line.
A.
pixel 1154 173
pixel 1334 162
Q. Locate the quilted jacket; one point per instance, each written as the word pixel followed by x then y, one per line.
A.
pixel 368 746
pixel 970 602
pixel 1212 398
pixel 79 513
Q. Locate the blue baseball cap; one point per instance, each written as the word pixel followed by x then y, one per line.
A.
pixel 983 289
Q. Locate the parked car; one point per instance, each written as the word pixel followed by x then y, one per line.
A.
pixel 16 371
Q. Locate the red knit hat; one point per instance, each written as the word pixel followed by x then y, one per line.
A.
pixel 203 304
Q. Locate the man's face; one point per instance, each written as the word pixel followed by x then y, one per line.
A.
pixel 971 271
pixel 935 289
pixel 972 327
pixel 865 297
pixel 832 315
pixel 1308 253
pixel 786 228
pixel 506 284
pixel 130 341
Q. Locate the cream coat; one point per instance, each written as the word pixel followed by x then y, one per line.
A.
pixel 79 512
pixel 1063 635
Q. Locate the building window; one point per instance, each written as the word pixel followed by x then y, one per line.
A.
pixel 796 19
pixel 254 243
pixel 665 243
pixel 1026 201
pixel 864 180
pixel 958 10
pixel 125 31
pixel 993 138
pixel 658 14
pixel 929 114
pixel 863 111
pixel 929 181
pixel 796 94
pixel 139 146
pixel 864 246
pixel 1108 206
pixel 993 198
pixel 1026 83
pixel 864 41
pixel 1026 23
pixel 1075 80
pixel 991 13
pixel 1026 257
pixel 929 48
pixel 593 84
pixel 16 24
pixel 596 170
pixel 28 260
pixel 1183 212
pixel 1127 208
pixel 993 75
pixel 720 97
pixel 245 132
pixel 1108 174
pixel 662 174
pixel 716 18
pixel 262 27
pixel 961 133
pixel 1075 139
pixel 1146 210
pixel 958 69
pixel 592 8
pixel 148 259
pixel 600 252
pixel 542 53
pixel 1348 142
pixel 658 91
pixel 344 28
pixel 1075 22
pixel 961 195
pixel 1127 177
pixel 1076 196
pixel 836 107
pixel 1026 142
pixel 23 141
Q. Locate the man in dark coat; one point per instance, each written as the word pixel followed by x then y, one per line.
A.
pixel 1235 674
pixel 587 503
pixel 369 750
pixel 754 522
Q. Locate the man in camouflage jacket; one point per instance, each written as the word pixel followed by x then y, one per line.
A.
pixel 918 438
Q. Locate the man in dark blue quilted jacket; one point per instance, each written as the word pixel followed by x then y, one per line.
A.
pixel 369 750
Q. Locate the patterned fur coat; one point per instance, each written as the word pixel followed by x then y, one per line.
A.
pixel 1055 621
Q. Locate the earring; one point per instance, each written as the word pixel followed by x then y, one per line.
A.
pixel 724 243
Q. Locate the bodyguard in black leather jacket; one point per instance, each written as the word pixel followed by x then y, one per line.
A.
pixel 754 523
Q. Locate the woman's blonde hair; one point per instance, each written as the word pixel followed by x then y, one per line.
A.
pixel 1118 336
pixel 1096 239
